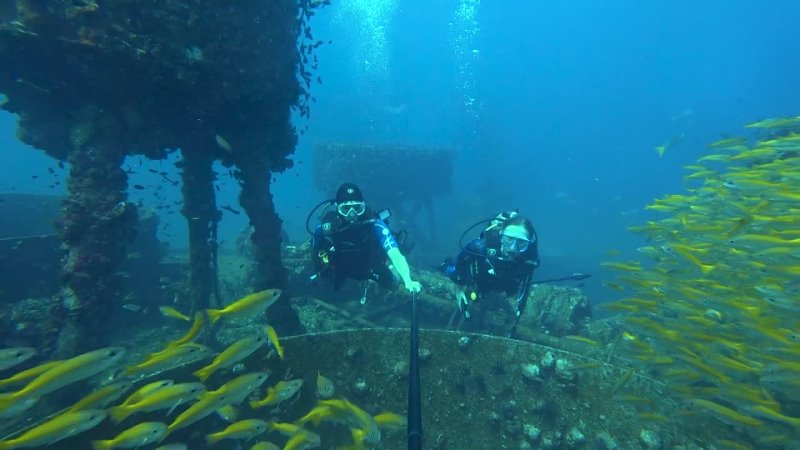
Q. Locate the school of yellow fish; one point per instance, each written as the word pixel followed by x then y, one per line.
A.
pixel 713 306
pixel 168 396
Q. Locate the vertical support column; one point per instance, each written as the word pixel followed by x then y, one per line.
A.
pixel 256 199
pixel 202 216
pixel 98 224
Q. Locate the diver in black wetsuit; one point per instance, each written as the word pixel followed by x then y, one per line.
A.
pixel 353 242
pixel 502 259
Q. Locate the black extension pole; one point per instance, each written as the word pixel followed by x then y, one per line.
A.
pixel 414 406
pixel 574 277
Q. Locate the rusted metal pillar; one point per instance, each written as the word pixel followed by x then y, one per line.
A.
pixel 98 223
pixel 256 199
pixel 202 216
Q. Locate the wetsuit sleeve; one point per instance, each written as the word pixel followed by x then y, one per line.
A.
pixel 317 239
pixel 384 236
pixel 463 274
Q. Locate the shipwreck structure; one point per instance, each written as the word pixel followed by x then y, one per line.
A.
pixel 93 82
pixel 390 175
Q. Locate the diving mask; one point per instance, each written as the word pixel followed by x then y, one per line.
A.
pixel 514 240
pixel 351 209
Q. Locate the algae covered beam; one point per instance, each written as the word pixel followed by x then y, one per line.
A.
pixel 202 216
pixel 405 178
pixel 256 199
pixel 97 225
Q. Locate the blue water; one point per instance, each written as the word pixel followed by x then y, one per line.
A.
pixel 568 102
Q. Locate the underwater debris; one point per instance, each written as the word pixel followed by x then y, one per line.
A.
pixel 605 441
pixel 360 386
pixel 650 440
pixel 424 354
pixel 574 438
pixel 531 372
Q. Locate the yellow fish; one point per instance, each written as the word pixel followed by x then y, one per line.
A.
pixel 169 359
pixel 146 390
pixel 325 387
pixel 273 339
pixel 366 437
pixel 10 357
pixel 244 429
pixel 282 391
pixel 198 411
pixel 134 437
pixel 99 398
pixel 770 414
pixel 174 446
pixel 236 352
pixel 239 388
pixel 169 311
pixel 623 381
pixel 228 413
pixel 728 142
pixel 303 440
pixel 368 432
pixel 197 326
pixel 390 421
pixel 318 414
pixel 723 413
pixel 21 377
pixel 585 340
pixel 264 445
pixel 249 305
pixel 18 408
pixel 286 428
pixel 68 372
pixel 56 429
pixel 169 397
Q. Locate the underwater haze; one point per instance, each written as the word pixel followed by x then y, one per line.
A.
pixel 554 107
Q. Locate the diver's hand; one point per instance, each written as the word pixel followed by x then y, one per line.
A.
pixel 413 286
pixel 461 300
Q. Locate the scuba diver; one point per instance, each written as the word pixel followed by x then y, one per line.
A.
pixel 354 242
pixel 502 259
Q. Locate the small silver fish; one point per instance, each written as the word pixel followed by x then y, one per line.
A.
pixel 223 144
pixel 132 307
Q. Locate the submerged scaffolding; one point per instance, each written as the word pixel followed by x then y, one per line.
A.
pixel 396 175
pixel 93 83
